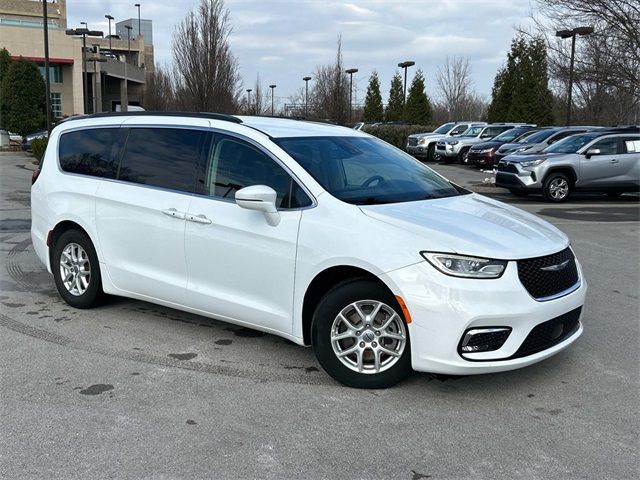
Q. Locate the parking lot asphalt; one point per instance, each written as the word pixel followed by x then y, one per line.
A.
pixel 134 390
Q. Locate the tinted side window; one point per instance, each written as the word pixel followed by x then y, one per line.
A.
pixel 235 164
pixel 162 157
pixel 458 130
pixel 607 146
pixel 562 135
pixel 90 152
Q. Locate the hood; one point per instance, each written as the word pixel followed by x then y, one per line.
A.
pixel 472 225
pixel 489 144
pixel 527 156
pixel 428 134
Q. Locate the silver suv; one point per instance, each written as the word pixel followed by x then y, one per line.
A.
pixel 423 145
pixel 602 161
pixel 458 148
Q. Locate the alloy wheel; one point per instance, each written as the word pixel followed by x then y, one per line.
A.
pixel 75 269
pixel 558 188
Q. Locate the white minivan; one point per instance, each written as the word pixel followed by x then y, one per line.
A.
pixel 321 234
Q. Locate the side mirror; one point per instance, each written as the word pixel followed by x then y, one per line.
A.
pixel 262 199
pixel 591 152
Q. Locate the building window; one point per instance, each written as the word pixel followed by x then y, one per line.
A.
pixel 56 105
pixel 55 73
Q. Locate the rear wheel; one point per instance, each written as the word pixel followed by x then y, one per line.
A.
pixel 557 187
pixel 359 335
pixel 76 270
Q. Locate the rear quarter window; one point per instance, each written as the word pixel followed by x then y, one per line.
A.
pixel 90 152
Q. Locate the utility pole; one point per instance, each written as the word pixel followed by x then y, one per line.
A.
pixel 47 79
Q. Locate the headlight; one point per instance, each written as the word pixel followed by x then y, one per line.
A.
pixel 521 149
pixel 486 150
pixel 422 141
pixel 532 163
pixel 468 267
pixel 453 142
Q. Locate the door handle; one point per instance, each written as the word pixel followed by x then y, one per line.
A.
pixel 198 219
pixel 172 212
pixel 615 160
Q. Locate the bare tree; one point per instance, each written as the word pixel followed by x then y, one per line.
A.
pixel 159 90
pixel 607 62
pixel 456 95
pixel 206 71
pixel 331 90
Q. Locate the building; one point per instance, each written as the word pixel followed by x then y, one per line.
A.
pixel 115 67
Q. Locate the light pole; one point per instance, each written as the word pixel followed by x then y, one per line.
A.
pixel 306 95
pixel 47 79
pixel 572 34
pixel 351 71
pixel 272 87
pixel 109 17
pixel 86 25
pixel 249 101
pixel 139 31
pixel 96 58
pixel 84 32
pixel 405 65
pixel 129 28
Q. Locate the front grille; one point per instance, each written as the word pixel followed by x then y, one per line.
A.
pixel 477 340
pixel 507 167
pixel 440 147
pixel 549 275
pixel 413 142
pixel 549 333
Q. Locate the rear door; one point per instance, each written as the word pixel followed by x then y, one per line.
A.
pixel 629 166
pixel 141 215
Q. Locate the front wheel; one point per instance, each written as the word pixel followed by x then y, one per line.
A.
pixel 76 270
pixel 463 156
pixel 431 150
pixel 359 335
pixel 557 187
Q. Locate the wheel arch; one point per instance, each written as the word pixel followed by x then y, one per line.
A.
pixel 325 281
pixel 567 170
pixel 64 226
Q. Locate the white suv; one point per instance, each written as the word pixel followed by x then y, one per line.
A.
pixel 323 235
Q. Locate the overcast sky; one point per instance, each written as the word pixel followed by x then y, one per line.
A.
pixel 283 40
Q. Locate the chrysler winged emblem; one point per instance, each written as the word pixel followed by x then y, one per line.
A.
pixel 556 268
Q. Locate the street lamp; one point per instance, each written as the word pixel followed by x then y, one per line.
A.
pixel 129 28
pixel 249 100
pixel 351 71
pixel 572 34
pixel 109 17
pixel 84 32
pixel 306 95
pixel 272 87
pixel 139 31
pixel 86 25
pixel 96 58
pixel 47 78
pixel 406 65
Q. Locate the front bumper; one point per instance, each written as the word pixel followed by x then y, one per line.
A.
pixel 448 151
pixel 417 150
pixel 513 176
pixel 443 308
pixel 483 159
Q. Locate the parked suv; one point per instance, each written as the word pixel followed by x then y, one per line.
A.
pixel 539 141
pixel 600 161
pixel 483 154
pixel 458 148
pixel 321 234
pixel 423 145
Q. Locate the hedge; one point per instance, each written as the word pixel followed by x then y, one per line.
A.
pixel 397 134
pixel 38 146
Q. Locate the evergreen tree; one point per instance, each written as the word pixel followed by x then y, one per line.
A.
pixel 395 106
pixel 521 88
pixel 418 109
pixel 373 111
pixel 5 63
pixel 23 100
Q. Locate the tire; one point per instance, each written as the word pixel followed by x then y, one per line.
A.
pixel 557 187
pixel 75 250
pixel 462 156
pixel 431 150
pixel 337 314
pixel 519 193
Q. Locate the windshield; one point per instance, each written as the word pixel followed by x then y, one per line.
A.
pixel 444 128
pixel 472 131
pixel 539 137
pixel 570 144
pixel 366 171
pixel 508 136
pixel 524 137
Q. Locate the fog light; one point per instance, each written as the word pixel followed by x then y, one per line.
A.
pixel 478 340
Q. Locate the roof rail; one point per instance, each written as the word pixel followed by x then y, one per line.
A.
pixel 148 113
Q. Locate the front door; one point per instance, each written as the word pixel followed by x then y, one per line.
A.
pixel 240 267
pixel 599 171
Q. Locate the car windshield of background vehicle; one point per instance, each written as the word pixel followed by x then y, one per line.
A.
pixel 508 136
pixel 367 171
pixel 538 137
pixel 444 128
pixel 472 131
pixel 570 144
pixel 524 136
